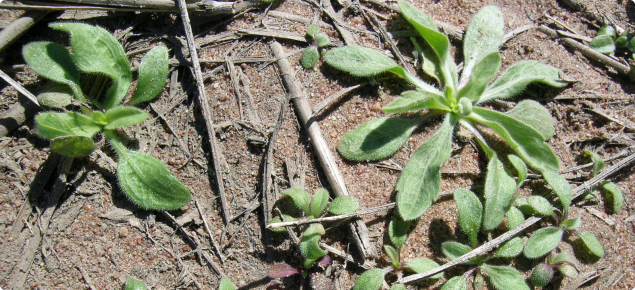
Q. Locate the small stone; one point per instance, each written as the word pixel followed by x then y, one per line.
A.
pixel 123 233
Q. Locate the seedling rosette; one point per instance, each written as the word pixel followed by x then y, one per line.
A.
pixel 144 179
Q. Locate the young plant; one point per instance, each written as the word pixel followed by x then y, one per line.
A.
pixel 318 40
pixel 613 196
pixel 526 128
pixel 609 41
pixel 144 179
pixel 543 273
pixel 134 284
pixel 226 284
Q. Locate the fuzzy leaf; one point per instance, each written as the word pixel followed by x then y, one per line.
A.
pixel 281 270
pixel 310 242
pixel 568 271
pixel 277 219
pixel 562 257
pixel 533 204
pixel 455 283
pixel 571 224
pixel 54 62
pixel 312 30
pixel 598 162
pixel 322 40
pixel 454 250
pixel 518 76
pixel 607 30
pixel 521 168
pixel 592 243
pixel 226 284
pixel 300 198
pixel 613 195
pixel 504 278
pixel 470 213
pixel 54 100
pixel 153 74
pixel 398 287
pixel 487 68
pixel 319 201
pixel 398 231
pixel 415 100
pixel 500 189
pixel 542 242
pixel 526 141
pixel 510 249
pixel 343 205
pixel 536 116
pixel 603 44
pixel 370 280
pixel 95 50
pixel 393 256
pixel 73 146
pixel 421 265
pixel 377 138
pixel 51 125
pixel 541 275
pixel 361 61
pixel 560 186
pixel 428 59
pixel 147 181
pixel 120 117
pixel 310 57
pixel 134 284
pixel 483 37
pixel 420 180
pixel 514 218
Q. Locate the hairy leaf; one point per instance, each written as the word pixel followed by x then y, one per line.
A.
pixel 420 180
pixel 312 30
pixel 322 40
pixel 421 265
pixel 361 61
pixel 300 198
pixel 560 186
pixel 226 284
pixel 598 162
pixel 95 50
pixel 571 224
pixel 73 146
pixel 281 270
pixel 542 242
pixel 393 256
pixel 54 100
pixel 153 74
pixel 521 168
pixel 455 283
pixel 398 231
pixel 500 189
pixel 514 218
pixel 310 242
pixel 120 117
pixel 536 204
pixel 536 116
pixel 562 257
pixel 454 250
pixel 541 275
pixel 470 213
pixel 487 68
pixel 568 271
pixel 504 278
pixel 518 76
pixel 603 44
pixel 310 57
pixel 614 196
pixel 319 201
pixel 277 219
pixel 592 243
pixel 483 36
pixel 398 287
pixel 370 280
pixel 51 125
pixel 134 284
pixel 415 100
pixel 510 249
pixel 343 205
pixel 376 139
pixel 428 59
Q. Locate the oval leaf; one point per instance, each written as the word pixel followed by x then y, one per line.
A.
pixel 483 37
pixel 560 186
pixel 518 76
pixel 568 271
pixel 361 61
pixel 134 284
pixel 536 204
pixel 535 115
pixel 73 146
pixel 571 224
pixel 120 117
pixel 300 198
pixel 487 69
pixel 52 125
pixel 514 218
pixel 226 284
pixel 281 270
pixel 613 195
pixel 455 283
pixel 453 250
pixel 312 30
pixel 310 243
pixel 398 287
pixel 376 139
pixel 598 162
pixel 542 242
pixel 310 57
pixel 393 256
pixel 322 40
pixel 54 100
pixel 521 168
pixel 277 219
pixel 319 201
pixel 343 205
pixel 370 280
pixel 510 249
pixel 500 189
pixel 470 213
pixel 592 244
pixel 153 74
pixel 504 278
pixel 415 100
pixel 421 265
pixel 603 44
pixel 398 231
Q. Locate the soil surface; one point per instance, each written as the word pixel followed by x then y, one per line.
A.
pixel 65 223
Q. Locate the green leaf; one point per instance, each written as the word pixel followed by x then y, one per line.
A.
pixel 147 181
pixel 310 242
pixel 592 244
pixel 343 205
pixel 542 242
pixel 370 280
pixel 536 116
pixel 153 74
pixel 568 271
pixel 398 287
pixel 470 213
pixel 571 224
pixel 504 278
pixel 510 249
pixel 312 30
pixel 526 141
pixel 421 265
pixel 487 69
pixel 613 195
pixel 420 180
pixel 300 198
pixel 120 117
pixel 631 45
pixel 518 76
pixel 52 125
pixel 621 42
pixel 310 57
pixel 562 257
pixel 598 162
pixel 483 37
pixel 521 168
pixel 500 189
pixel 361 61
pixel 415 100
pixel 393 255
pixel 318 203
pixel 607 30
pixel 226 284
pixel 541 275
pixel 603 44
pixel 437 41
pixel 479 281
pixel 134 284
pixel 73 146
pixel 99 118
pixel 322 40
pixel 95 50
pixel 54 100
pixel 277 219
pixel 536 204
pixel 514 218
pixel 455 283
pixel 428 58
pixel 454 250
pixel 560 186
pixel 376 139
pixel 54 62
pixel 398 231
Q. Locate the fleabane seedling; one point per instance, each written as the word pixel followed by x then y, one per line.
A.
pixel 526 128
pixel 144 179
pixel 311 55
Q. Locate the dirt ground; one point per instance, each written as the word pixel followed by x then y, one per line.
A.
pixel 65 224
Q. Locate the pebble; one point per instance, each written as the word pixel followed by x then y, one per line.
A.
pixel 123 232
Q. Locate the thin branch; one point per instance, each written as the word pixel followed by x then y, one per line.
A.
pixel 209 233
pixel 19 87
pixel 209 7
pixel 86 277
pixel 331 101
pixel 333 218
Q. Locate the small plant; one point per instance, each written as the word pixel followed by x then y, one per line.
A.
pixel 543 273
pixel 144 179
pixel 318 40
pixel 609 41
pixel 134 284
pixel 525 128
pixel 226 284
pixel 613 196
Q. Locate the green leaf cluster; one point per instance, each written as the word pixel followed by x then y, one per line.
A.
pixel 608 41
pixel 144 179
pixel 318 40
